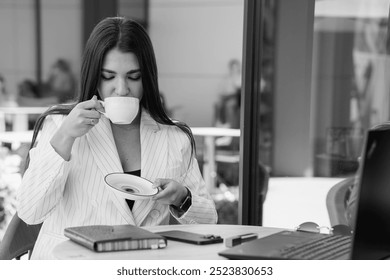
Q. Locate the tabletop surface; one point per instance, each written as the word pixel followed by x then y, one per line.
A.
pixel 174 250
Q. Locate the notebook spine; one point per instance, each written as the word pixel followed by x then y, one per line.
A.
pixel 121 245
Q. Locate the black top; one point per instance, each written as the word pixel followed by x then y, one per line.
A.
pixel 135 173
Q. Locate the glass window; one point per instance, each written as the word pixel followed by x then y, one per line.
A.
pixel 329 85
pixel 350 88
pixel 198 46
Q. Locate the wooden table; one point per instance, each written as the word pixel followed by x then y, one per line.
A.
pixel 175 250
pixel 209 134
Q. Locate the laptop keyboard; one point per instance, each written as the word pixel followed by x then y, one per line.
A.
pixel 329 247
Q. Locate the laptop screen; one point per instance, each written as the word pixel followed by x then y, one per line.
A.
pixel 372 227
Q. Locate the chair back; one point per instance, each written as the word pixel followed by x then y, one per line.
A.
pixel 262 190
pixel 19 239
pixel 336 201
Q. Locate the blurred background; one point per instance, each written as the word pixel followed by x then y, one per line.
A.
pixel 193 40
pixel 322 82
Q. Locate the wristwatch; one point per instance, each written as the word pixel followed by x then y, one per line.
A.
pixel 185 203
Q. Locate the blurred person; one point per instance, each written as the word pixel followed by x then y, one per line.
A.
pixel 6 100
pixel 59 88
pixel 227 108
pixel 61 82
pixel 28 88
pixel 63 185
pixel 3 92
pixel 228 105
pixel 29 95
pixel 231 83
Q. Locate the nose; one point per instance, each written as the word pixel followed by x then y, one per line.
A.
pixel 122 88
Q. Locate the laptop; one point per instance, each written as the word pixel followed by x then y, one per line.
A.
pixel 370 239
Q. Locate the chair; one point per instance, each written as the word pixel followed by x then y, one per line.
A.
pixel 262 191
pixel 19 239
pixel 336 201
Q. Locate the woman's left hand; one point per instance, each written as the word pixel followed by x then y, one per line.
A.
pixel 171 192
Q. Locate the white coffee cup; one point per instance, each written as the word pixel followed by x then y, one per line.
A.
pixel 120 109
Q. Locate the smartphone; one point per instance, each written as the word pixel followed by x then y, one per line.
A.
pixel 190 237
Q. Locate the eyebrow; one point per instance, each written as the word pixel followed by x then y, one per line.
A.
pixel 129 72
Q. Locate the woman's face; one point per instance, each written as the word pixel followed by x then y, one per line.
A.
pixel 120 75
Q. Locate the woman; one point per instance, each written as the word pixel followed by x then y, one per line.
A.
pixel 64 186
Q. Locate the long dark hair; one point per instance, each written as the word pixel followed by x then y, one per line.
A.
pixel 128 36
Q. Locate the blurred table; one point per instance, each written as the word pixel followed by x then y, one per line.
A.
pixel 19 116
pixel 295 200
pixel 209 134
pixel 16 138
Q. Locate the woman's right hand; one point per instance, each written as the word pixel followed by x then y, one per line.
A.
pixel 80 120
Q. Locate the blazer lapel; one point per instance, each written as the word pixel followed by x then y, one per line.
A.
pixel 104 151
pixel 154 159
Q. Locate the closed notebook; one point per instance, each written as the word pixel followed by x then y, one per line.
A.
pixel 104 238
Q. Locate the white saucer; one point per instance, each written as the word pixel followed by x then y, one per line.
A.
pixel 130 186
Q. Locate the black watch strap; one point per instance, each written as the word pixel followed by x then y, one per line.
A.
pixel 185 203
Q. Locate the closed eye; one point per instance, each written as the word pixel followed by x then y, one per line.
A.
pixel 107 77
pixel 134 77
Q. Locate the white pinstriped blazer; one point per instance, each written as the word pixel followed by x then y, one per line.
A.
pixel 71 193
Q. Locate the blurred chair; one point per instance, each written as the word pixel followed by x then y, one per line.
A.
pixel 264 179
pixel 19 239
pixel 227 157
pixel 336 201
pixel 262 190
pixel 228 210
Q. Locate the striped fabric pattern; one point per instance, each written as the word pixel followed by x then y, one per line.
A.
pixel 69 193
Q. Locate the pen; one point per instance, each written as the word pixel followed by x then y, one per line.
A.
pixel 238 239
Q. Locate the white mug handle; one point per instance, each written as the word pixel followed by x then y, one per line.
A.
pixel 103 113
